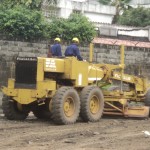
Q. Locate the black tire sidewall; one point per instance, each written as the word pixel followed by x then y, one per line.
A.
pixel 73 94
pixel 147 98
pixel 98 93
pixel 58 101
pixel 11 111
pixel 86 96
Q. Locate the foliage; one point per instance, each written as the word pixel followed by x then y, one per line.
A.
pixel 115 2
pixel 121 5
pixel 22 22
pixel 135 17
pixel 32 4
pixel 76 25
pixel 105 2
pixel 57 28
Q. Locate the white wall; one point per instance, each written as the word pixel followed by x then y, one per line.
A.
pixel 135 33
pixel 143 3
pixel 102 18
pixel 99 8
pixel 94 11
pixel 64 13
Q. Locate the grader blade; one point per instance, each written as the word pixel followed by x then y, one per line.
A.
pixel 138 111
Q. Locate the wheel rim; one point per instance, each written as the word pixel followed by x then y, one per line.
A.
pixel 69 106
pixel 94 104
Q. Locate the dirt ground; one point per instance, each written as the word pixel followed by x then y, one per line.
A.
pixel 107 134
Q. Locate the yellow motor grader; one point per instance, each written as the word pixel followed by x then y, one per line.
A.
pixel 62 89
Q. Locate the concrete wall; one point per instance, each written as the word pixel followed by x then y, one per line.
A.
pixel 136 59
pixel 9 50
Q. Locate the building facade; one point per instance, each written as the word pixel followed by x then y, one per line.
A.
pixel 92 9
pixel 141 3
pixel 95 11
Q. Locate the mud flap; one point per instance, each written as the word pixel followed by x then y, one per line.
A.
pixel 139 111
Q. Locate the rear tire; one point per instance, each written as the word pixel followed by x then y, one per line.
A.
pixel 92 104
pixel 147 98
pixel 65 106
pixel 11 109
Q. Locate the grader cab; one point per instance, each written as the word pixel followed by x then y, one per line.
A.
pixel 62 89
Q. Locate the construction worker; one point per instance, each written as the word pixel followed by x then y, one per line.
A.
pixel 56 48
pixel 73 49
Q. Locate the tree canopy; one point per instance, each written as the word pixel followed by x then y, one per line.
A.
pixel 76 25
pixel 27 23
pixel 22 22
pixel 121 5
pixel 135 17
pixel 33 4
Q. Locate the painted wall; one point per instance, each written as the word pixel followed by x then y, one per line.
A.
pixel 95 17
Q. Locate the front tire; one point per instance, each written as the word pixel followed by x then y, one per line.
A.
pixel 92 104
pixel 65 106
pixel 12 109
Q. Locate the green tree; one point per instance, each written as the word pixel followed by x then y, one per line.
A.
pixel 22 22
pixel 57 28
pixel 33 4
pixel 76 25
pixel 135 17
pixel 121 5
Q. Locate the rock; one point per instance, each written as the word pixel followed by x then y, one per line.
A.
pixel 30 142
pixel 146 134
pixel 69 141
pixel 95 133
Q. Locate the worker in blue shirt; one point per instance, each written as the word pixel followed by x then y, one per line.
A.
pixel 73 49
pixel 56 48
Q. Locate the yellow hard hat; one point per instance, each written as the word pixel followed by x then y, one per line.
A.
pixel 75 39
pixel 57 39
